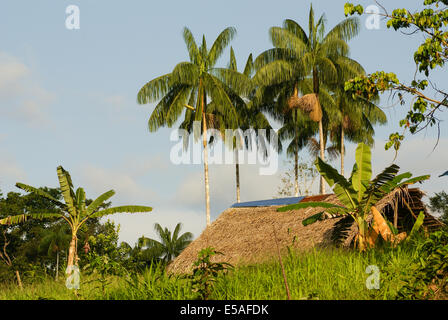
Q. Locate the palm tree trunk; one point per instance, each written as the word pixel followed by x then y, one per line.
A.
pixel 237 172
pixel 207 188
pixel 322 156
pixel 321 131
pixel 342 150
pixel 296 158
pixel 204 141
pixel 57 265
pixel 296 173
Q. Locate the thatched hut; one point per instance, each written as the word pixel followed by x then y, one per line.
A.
pixel 245 233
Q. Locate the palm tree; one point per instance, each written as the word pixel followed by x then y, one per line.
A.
pixel 248 117
pixel 356 118
pixel 55 240
pixel 355 124
pixel 170 244
pixel 314 55
pixel 189 86
pixel 74 211
pixel 298 130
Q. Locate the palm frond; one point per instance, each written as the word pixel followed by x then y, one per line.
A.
pixel 221 42
pixel 98 202
pixel 66 184
pixel 121 209
pixel 345 30
pixel 185 73
pixel 24 217
pixel 250 66
pixel 80 199
pixel 296 29
pixel 192 47
pixel 154 89
pixel 283 38
pixel 40 192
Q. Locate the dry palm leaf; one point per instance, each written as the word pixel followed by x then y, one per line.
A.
pixel 380 227
pixel 309 103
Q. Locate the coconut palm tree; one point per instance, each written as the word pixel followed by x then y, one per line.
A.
pixel 189 86
pixel 170 244
pixel 315 55
pixel 74 211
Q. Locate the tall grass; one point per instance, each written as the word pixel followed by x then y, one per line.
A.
pixel 316 274
pixel 319 274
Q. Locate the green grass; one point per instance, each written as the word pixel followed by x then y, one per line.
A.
pixel 322 274
pixel 317 274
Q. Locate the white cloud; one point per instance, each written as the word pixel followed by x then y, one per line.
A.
pixel 10 170
pixel 128 190
pixel 134 226
pixel 21 98
pixel 12 72
pixel 139 166
pixel 118 101
pixel 124 178
pixel 223 186
pixel 416 155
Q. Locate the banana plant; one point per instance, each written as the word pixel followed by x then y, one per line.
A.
pixel 74 211
pixel 359 193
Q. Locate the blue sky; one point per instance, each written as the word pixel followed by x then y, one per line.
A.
pixel 68 97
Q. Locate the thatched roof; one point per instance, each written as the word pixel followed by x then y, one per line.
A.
pixel 245 235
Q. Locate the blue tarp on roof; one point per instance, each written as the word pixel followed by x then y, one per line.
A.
pixel 269 202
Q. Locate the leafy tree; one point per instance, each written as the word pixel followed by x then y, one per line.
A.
pixel 74 211
pixel 103 243
pixel 439 203
pixel 54 241
pixel 427 278
pixel 432 53
pixel 20 245
pixel 141 256
pixel 297 55
pixel 170 244
pixel 205 272
pixel 305 173
pixel 359 193
pixel 102 257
